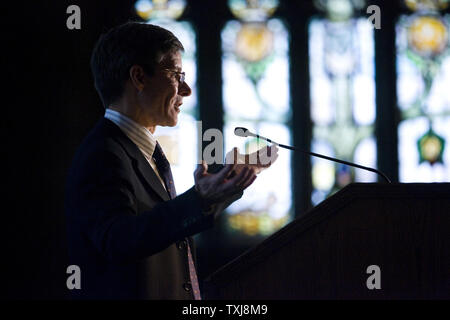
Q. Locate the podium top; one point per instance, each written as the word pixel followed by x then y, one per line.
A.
pixel 352 192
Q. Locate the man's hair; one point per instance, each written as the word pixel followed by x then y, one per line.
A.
pixel 122 47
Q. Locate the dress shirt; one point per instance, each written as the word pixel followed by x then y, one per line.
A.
pixel 140 135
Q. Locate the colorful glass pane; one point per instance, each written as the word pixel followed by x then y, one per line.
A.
pixel 160 9
pixel 423 79
pixel 256 95
pixel 426 5
pixel 253 10
pixel 342 101
pixel 339 10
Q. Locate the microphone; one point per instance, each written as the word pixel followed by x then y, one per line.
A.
pixel 244 132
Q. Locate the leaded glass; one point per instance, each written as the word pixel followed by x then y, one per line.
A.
pixel 256 95
pixel 341 53
pixel 423 80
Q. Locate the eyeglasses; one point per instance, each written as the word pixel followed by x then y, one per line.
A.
pixel 181 75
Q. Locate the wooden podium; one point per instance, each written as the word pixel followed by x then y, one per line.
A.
pixel 404 229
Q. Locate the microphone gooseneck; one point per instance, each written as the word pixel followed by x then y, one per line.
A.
pixel 244 132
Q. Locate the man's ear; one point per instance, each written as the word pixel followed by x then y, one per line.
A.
pixel 137 77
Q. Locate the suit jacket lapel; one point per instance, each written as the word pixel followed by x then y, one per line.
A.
pixel 140 162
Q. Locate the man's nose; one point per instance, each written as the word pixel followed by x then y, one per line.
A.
pixel 184 89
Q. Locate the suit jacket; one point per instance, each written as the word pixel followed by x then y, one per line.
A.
pixel 128 239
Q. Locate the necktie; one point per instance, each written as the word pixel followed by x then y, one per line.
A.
pixel 163 166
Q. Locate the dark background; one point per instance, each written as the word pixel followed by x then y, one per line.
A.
pixel 51 104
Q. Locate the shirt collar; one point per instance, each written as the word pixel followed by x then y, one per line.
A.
pixel 137 133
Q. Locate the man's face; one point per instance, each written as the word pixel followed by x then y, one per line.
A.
pixel 164 92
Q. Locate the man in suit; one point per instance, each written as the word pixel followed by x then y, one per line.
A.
pixel 128 231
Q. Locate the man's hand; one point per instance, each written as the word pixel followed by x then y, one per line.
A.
pixel 215 188
pixel 258 160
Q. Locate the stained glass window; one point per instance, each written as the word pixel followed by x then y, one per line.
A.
pixel 256 95
pixel 180 142
pixel 341 53
pixel 423 82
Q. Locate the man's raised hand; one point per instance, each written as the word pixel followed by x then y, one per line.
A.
pixel 217 187
pixel 258 160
